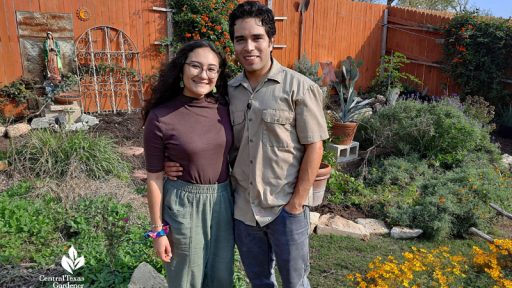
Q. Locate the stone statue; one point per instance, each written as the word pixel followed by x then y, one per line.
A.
pixel 52 58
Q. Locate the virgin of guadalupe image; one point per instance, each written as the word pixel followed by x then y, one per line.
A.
pixel 52 58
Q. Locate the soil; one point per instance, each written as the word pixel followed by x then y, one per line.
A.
pixel 125 128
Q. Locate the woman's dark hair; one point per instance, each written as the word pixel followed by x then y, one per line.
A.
pixel 168 87
pixel 253 9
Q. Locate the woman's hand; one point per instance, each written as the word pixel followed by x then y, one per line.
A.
pixel 163 248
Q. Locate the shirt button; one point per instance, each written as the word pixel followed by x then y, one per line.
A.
pixel 250 183
pixel 250 119
pixel 250 140
pixel 250 161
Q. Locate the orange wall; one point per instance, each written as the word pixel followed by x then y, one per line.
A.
pixel 135 17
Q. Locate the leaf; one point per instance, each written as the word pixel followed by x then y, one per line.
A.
pixel 72 253
pixel 67 264
pixel 79 262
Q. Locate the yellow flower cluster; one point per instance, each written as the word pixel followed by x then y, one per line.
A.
pixel 438 268
pixel 494 261
pixel 420 268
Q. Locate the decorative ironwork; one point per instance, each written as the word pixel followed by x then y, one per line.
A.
pixel 108 64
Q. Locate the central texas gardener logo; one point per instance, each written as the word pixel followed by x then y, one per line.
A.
pixel 73 262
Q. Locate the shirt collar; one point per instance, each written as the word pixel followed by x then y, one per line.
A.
pixel 275 74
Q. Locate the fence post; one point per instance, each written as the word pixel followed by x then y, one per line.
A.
pixel 384 40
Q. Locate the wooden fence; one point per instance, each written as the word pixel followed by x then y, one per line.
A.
pixel 137 19
pixel 332 30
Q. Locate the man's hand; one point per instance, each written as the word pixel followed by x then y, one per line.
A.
pixel 173 170
pixel 293 207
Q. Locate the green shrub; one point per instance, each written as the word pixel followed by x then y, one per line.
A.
pixel 344 189
pixel 308 69
pixel 480 110
pixel 438 132
pixel 28 228
pixel 443 203
pixel 468 42
pixel 57 155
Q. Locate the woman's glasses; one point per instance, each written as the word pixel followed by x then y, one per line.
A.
pixel 197 69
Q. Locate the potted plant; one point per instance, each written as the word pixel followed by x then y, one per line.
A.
pixel 66 91
pixel 14 96
pixel 310 70
pixel 351 107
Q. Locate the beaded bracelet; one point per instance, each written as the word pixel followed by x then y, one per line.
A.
pixel 154 235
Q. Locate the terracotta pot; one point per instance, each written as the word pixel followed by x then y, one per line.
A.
pixel 343 133
pixel 67 98
pixel 324 172
pixel 11 108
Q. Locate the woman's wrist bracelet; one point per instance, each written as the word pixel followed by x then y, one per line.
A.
pixel 157 225
pixel 154 235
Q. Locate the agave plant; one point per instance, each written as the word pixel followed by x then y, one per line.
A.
pixel 351 106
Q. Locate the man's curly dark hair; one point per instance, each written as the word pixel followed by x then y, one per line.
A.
pixel 253 9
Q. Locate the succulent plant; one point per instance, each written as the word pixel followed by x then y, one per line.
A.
pixel 345 83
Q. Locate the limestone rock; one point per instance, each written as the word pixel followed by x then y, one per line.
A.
pixel 42 122
pixel 88 120
pixel 405 233
pixel 4 165
pixel 313 221
pixel 373 226
pixel 131 150
pixel 336 225
pixel 17 130
pixel 140 175
pixel 2 131
pixel 507 160
pixel 146 276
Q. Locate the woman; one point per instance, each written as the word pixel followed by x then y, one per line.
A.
pixel 187 121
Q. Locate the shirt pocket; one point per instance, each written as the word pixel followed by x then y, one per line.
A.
pixel 237 122
pixel 277 130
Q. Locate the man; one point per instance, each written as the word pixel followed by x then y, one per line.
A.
pixel 278 126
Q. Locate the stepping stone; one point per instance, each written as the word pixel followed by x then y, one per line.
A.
pixel 146 276
pixel 131 150
pixel 140 175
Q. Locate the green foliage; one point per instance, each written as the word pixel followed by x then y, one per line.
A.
pixel 438 132
pixel 204 19
pixel 56 155
pixel 344 189
pixel 477 54
pixel 26 224
pixel 480 110
pixel 308 69
pixel 443 203
pixel 389 75
pixel 19 90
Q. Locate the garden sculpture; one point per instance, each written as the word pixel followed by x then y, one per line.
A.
pixel 52 58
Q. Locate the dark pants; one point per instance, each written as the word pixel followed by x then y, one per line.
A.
pixel 284 240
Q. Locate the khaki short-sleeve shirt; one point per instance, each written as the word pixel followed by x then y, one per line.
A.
pixel 271 124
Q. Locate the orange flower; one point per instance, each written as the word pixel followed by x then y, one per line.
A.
pixel 203 29
pixel 217 43
pixel 188 35
pixel 218 27
pixel 204 17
